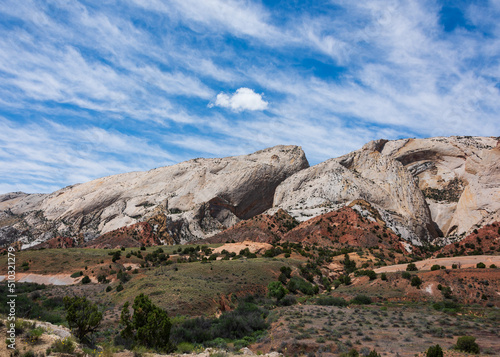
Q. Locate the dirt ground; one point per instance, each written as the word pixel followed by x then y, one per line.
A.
pixel 462 262
pixel 253 247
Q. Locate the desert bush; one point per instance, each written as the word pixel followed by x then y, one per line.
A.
pixel 369 273
pixel 480 265
pixel 411 267
pixel 406 275
pixel 288 300
pixel 331 301
pixel 298 284
pixel 149 325
pixel 77 274
pixel 86 279
pixel 65 345
pixel 33 336
pixel 277 290
pixel 416 281
pixel 185 347
pixel 467 344
pixel 383 276
pixel 361 300
pixel 434 351
pixel 435 267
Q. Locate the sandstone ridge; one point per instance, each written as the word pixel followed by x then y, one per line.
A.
pixel 435 190
pixel 192 200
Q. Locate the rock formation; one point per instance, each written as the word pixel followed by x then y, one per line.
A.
pixel 421 189
pixel 459 176
pixel 190 200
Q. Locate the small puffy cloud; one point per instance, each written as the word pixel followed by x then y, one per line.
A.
pixel 242 99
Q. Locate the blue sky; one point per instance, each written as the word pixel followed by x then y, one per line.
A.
pixel 94 88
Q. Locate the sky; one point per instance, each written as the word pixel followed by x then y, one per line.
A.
pixel 95 88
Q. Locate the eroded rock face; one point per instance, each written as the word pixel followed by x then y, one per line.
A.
pixel 459 176
pixel 197 198
pixel 423 188
pixel 366 174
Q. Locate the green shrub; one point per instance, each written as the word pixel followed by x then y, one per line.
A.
pixel 406 275
pixel 119 287
pixel 416 281
pixel 373 354
pixel 63 346
pixel 86 279
pixel 34 335
pixel 467 344
pixel 149 326
pixel 331 301
pixel 434 351
pixel 369 273
pixel 411 267
pixel 277 290
pixel 493 266
pixel 83 316
pixel 361 300
pixel 77 274
pixel 383 276
pixel 298 284
pixel 351 353
pixel 185 347
pixel 480 265
pixel 435 267
pixel 446 305
pixel 288 300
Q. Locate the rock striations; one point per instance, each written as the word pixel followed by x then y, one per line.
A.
pixel 422 189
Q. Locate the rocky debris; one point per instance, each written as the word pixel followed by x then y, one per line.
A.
pixel 191 200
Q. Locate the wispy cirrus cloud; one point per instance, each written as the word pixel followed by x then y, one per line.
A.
pixel 95 88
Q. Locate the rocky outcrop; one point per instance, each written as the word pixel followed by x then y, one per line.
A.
pixel 434 190
pixel 197 198
pixel 366 174
pixel 459 176
pixel 422 188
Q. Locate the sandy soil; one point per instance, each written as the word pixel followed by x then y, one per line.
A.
pixel 462 262
pixel 253 247
pixel 54 279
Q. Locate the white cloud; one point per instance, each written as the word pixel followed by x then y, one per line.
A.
pixel 242 99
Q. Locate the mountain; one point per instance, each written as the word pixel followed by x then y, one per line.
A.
pixel 422 188
pixel 435 190
pixel 190 200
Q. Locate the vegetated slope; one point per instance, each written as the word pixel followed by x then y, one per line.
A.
pixel 262 228
pixel 484 240
pixel 198 198
pixel 346 227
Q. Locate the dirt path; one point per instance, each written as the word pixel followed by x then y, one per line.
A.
pixel 54 279
pixel 462 262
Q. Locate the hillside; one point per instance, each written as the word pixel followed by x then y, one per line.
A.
pixel 436 190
